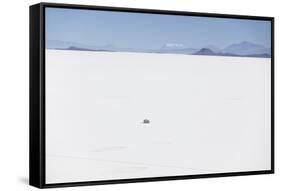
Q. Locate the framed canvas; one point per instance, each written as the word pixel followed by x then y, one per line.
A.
pixel 120 95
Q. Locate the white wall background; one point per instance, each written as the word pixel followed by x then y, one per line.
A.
pixel 14 89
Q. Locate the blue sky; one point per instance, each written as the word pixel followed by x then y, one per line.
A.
pixel 150 31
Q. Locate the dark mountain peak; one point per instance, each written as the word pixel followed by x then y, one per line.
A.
pixel 78 48
pixel 205 51
pixel 213 48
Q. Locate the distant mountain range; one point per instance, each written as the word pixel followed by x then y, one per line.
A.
pixel 246 48
pixel 243 49
pixel 209 52
pixel 63 45
pixel 82 49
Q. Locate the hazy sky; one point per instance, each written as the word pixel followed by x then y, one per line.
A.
pixel 149 31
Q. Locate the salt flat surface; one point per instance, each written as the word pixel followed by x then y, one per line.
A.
pixel 207 114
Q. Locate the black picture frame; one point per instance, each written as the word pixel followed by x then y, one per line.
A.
pixel 37 95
